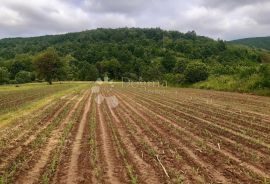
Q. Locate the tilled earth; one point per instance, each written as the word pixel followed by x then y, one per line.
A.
pixel 127 134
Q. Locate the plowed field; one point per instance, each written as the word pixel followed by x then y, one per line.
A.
pixel 135 134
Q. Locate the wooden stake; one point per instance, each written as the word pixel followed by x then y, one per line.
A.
pixel 218 145
pixel 162 167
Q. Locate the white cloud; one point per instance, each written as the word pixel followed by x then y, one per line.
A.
pixel 224 19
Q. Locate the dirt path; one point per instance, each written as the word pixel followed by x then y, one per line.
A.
pixel 34 173
pixel 147 173
pixel 73 176
pixel 108 151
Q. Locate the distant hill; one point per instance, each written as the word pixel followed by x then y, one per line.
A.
pixel 140 54
pixel 258 42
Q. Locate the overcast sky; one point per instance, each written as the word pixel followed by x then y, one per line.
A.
pixel 225 19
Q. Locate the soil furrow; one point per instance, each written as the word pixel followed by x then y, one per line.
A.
pixel 218 176
pixel 190 116
pixel 142 137
pixel 71 174
pixel 18 147
pixel 226 153
pixel 34 173
pixel 111 163
pixel 147 173
pixel 225 120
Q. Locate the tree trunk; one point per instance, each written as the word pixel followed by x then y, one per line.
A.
pixel 50 82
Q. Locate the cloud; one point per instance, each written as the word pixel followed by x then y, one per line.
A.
pixel 42 17
pixel 214 18
pixel 231 4
pixel 119 6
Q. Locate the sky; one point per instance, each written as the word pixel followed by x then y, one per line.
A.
pixel 224 19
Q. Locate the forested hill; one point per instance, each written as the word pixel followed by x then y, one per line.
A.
pixel 94 45
pixel 258 42
pixel 138 54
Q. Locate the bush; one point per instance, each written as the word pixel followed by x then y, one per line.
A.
pixel 195 72
pixel 245 72
pixel 174 78
pixel 181 65
pixel 13 82
pixel 4 75
pixel 23 77
pixel 264 71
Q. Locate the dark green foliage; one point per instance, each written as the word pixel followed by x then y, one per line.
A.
pixel 264 71
pixel 87 72
pixel 196 71
pixel 4 75
pixel 111 67
pixel 21 62
pixel 23 77
pixel 181 65
pixel 175 79
pixel 49 65
pixel 168 62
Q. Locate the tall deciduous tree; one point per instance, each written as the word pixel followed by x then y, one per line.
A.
pixel 49 65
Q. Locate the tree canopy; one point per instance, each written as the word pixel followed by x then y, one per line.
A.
pixel 49 65
pixel 139 54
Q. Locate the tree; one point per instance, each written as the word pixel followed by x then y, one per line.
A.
pixel 195 72
pixel 168 61
pixel 180 66
pixel 49 65
pixel 23 77
pixel 221 45
pixel 112 67
pixel 71 68
pixel 152 73
pixel 21 62
pixel 4 75
pixel 88 72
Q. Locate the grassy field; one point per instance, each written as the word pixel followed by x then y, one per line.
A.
pixel 90 133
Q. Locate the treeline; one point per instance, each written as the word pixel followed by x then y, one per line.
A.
pixel 137 54
pixel 257 42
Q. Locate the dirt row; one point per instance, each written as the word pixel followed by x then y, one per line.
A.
pixel 24 150
pixel 266 163
pixel 146 138
pixel 235 126
pixel 232 156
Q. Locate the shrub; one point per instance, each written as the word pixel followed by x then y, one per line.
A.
pixel 181 65
pixel 195 72
pixel 13 82
pixel 23 77
pixel 4 75
pixel 174 78
pixel 264 71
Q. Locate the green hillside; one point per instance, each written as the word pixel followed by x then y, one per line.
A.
pixel 258 42
pixel 184 59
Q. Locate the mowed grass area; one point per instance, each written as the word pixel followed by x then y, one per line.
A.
pixel 18 101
